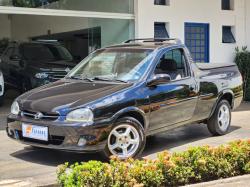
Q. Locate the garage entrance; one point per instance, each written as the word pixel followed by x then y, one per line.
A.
pixel 53 41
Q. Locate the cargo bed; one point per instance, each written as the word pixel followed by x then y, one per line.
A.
pixel 209 66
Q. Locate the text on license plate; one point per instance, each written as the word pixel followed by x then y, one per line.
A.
pixel 35 132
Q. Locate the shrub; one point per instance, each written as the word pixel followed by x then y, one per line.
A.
pixel 195 165
pixel 242 59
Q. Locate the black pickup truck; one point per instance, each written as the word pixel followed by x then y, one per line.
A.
pixel 121 94
pixel 27 65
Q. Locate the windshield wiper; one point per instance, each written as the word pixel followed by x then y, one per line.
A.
pixel 107 79
pixel 78 77
pixel 119 80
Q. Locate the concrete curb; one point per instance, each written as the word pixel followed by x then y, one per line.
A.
pixel 234 181
pixel 25 183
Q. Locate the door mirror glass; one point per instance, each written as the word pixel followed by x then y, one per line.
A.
pixel 159 79
pixel 15 58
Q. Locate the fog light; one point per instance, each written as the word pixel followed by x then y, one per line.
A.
pixel 82 141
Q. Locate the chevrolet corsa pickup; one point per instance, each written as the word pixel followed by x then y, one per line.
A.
pixel 119 95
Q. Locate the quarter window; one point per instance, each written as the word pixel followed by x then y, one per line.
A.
pixel 174 64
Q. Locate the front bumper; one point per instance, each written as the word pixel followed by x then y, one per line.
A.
pixel 62 136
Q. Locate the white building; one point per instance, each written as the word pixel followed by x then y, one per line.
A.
pixel 210 28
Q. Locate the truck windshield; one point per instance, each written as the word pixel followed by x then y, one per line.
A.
pixel 45 53
pixel 114 65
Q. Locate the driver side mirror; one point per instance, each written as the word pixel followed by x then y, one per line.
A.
pixel 159 79
pixel 15 58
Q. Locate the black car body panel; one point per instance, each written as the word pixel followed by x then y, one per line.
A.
pixel 158 108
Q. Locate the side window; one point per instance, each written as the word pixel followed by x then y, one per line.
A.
pixel 173 63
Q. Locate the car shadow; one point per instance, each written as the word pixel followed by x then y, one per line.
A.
pixel 155 144
pixel 54 157
pixel 178 137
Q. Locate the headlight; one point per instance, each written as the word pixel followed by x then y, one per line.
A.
pixel 81 115
pixel 15 108
pixel 41 75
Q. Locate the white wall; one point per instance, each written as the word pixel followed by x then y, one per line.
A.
pixel 248 23
pixel 199 11
pixel 5 28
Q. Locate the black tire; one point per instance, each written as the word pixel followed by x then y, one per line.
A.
pixel 214 124
pixel 1 100
pixel 142 138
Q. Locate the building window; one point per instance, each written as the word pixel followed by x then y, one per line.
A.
pixel 161 30
pixel 162 2
pixel 227 4
pixel 197 40
pixel 228 34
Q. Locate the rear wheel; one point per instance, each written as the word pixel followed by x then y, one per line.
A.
pixel 220 121
pixel 126 139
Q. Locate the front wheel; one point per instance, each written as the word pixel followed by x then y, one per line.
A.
pixel 220 121
pixel 126 139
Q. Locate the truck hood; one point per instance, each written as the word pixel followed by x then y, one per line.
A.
pixel 66 95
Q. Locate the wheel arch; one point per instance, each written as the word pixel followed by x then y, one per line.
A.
pixel 227 95
pixel 134 112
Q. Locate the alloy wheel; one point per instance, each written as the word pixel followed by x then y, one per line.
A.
pixel 124 141
pixel 224 117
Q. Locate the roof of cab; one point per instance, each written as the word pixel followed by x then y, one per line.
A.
pixel 148 43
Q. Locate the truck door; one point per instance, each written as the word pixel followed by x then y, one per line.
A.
pixel 173 102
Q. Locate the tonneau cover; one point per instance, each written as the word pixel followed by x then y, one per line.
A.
pixel 208 66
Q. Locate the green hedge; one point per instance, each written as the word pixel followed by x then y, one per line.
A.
pixel 242 59
pixel 195 165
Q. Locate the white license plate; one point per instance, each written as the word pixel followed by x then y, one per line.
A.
pixel 35 132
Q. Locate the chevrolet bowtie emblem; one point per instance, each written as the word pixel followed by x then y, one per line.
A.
pixel 38 115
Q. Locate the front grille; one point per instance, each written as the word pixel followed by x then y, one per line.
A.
pixel 57 75
pixel 53 140
pixel 40 115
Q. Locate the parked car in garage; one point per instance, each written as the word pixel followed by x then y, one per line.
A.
pixel 27 65
pixel 121 94
pixel 1 88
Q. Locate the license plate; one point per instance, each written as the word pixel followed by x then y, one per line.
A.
pixel 35 132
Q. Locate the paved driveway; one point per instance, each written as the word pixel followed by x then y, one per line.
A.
pixel 23 165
